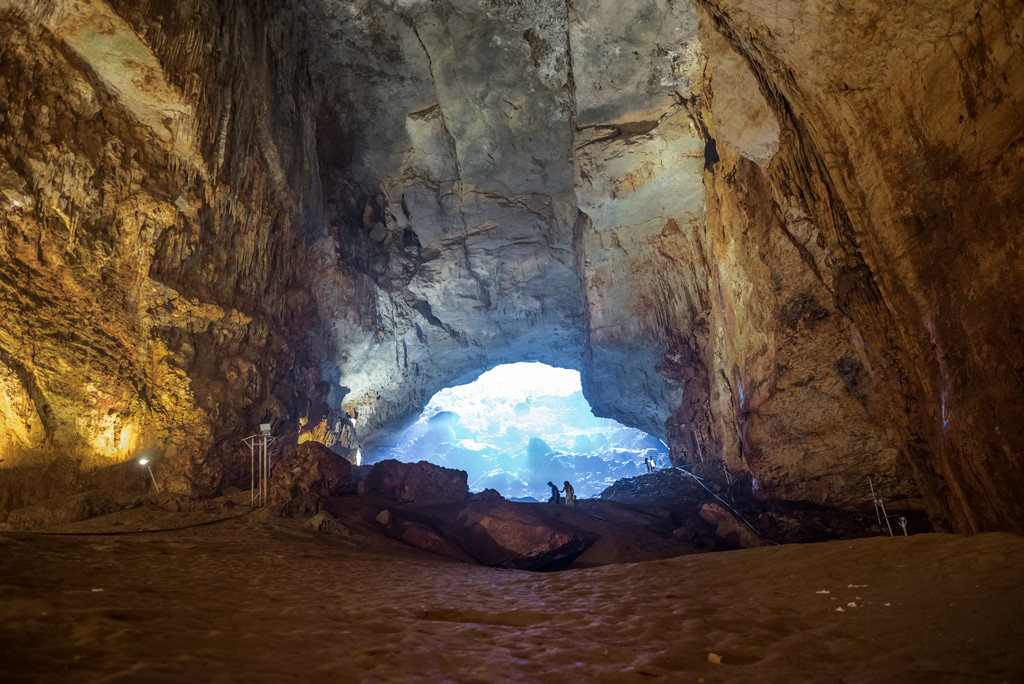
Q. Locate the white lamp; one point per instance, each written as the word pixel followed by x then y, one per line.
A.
pixel 144 460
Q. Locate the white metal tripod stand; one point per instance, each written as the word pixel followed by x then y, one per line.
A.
pixel 259 465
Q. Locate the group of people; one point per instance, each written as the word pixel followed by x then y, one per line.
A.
pixel 570 495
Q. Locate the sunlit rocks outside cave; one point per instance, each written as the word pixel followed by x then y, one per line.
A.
pixel 519 426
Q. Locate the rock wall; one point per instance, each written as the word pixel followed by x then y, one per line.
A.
pixel 149 252
pixel 897 173
pixel 776 237
pixel 798 402
pixel 446 153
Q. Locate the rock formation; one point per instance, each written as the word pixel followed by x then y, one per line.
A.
pixel 306 477
pixel 419 483
pixel 778 237
pixel 513 535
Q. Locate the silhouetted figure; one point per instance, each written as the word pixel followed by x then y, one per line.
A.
pixel 648 464
pixel 570 495
pixel 554 493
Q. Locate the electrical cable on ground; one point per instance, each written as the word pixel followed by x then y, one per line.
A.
pixel 124 532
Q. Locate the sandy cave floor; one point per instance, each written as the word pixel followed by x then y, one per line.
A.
pixel 257 600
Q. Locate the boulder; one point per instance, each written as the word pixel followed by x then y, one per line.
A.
pixel 515 535
pixel 728 528
pixel 420 483
pixel 420 535
pixel 305 477
pixel 670 487
pixel 486 495
pixel 327 523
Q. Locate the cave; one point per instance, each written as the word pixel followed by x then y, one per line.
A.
pixel 776 238
pixel 519 426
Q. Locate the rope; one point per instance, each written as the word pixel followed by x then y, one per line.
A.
pixel 733 510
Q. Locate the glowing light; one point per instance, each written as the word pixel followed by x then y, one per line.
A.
pixel 144 461
pixel 114 440
pixel 518 426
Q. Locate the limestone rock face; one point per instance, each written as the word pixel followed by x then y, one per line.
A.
pixel 148 251
pixel 450 202
pixel 776 236
pixel 897 170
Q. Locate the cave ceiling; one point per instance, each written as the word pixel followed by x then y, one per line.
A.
pixel 781 238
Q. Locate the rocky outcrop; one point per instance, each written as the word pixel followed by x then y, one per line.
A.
pixel 777 238
pixel 668 486
pixel 509 535
pixel 535 536
pixel 328 524
pixel 419 483
pixel 304 478
pixel 421 535
pixel 728 528
pixel 491 532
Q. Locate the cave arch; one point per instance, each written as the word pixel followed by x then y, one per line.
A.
pixel 516 427
pixel 300 225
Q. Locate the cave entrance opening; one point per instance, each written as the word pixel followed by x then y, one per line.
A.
pixel 519 426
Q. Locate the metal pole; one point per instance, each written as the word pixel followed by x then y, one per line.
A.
pixel 886 516
pixel 259 471
pixel 155 485
pixel 874 500
pixel 259 468
pixel 266 467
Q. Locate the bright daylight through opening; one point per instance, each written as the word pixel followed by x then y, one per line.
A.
pixel 520 425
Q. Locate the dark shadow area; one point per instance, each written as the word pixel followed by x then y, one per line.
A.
pixel 710 154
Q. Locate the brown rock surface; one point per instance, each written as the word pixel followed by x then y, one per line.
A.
pixel 508 534
pixel 422 535
pixel 535 536
pixel 729 528
pixel 419 483
pixel 898 168
pixel 304 478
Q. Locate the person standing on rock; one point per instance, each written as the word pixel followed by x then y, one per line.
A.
pixel 554 493
pixel 570 495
